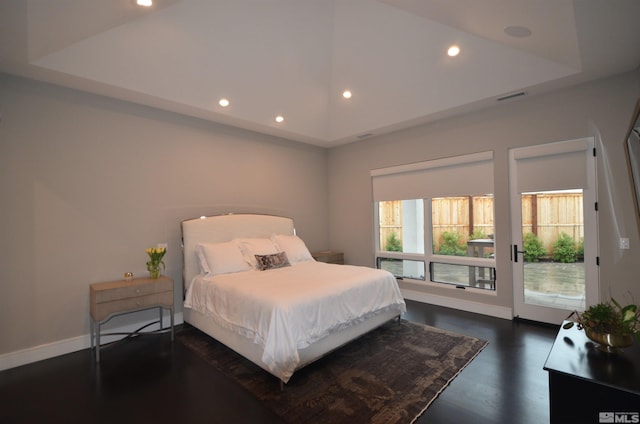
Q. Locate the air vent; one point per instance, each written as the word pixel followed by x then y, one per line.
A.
pixel 367 135
pixel 512 95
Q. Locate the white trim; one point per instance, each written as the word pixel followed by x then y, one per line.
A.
pixel 551 149
pixel 461 260
pixel 387 254
pixel 583 148
pixel 464 305
pixel 435 163
pixel 74 344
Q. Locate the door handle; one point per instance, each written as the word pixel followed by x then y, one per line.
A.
pixel 514 256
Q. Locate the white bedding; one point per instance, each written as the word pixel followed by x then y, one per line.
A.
pixel 286 309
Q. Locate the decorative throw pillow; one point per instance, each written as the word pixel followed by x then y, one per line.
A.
pixel 293 246
pixel 275 260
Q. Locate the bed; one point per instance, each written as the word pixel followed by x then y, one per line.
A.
pixel 251 283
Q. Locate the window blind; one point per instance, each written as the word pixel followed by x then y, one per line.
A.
pixel 453 176
pixel 556 166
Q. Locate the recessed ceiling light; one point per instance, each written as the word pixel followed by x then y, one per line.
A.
pixel 453 51
pixel 517 31
pixel 346 94
pixel 145 3
pixel 279 119
pixel 223 102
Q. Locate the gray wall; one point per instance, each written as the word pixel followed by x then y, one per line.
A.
pixel 87 183
pixel 602 109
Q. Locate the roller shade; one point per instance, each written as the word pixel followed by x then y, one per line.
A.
pixel 556 166
pixel 454 176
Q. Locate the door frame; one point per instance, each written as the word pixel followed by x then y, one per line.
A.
pixel 591 260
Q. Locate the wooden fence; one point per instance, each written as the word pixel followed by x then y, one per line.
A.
pixel 546 215
pixel 390 215
pixel 549 215
pixel 462 215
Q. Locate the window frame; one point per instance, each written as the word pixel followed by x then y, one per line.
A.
pixel 429 257
pixel 385 254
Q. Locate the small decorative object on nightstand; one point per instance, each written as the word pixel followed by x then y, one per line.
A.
pixel 155 260
pixel 329 257
pixel 120 297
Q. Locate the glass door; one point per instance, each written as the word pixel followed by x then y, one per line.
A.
pixel 554 229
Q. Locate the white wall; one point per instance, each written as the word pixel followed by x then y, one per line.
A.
pixel 602 109
pixel 88 182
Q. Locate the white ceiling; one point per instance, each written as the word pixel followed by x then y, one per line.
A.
pixel 295 57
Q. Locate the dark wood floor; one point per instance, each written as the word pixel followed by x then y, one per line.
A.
pixel 151 380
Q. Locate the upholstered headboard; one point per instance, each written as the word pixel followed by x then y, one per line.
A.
pixel 221 228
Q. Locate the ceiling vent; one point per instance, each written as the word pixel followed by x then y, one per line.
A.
pixel 512 95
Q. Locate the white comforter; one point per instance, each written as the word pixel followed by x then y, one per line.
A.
pixel 286 309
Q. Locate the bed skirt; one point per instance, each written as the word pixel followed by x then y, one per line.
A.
pixel 253 352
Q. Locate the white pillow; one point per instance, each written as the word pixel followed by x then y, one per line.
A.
pixel 255 246
pixel 293 246
pixel 220 258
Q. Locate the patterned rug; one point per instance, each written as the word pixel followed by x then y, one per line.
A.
pixel 390 375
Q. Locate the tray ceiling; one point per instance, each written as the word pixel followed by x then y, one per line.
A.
pixel 295 58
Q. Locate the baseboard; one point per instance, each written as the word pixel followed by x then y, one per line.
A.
pixel 62 347
pixel 74 344
pixel 464 305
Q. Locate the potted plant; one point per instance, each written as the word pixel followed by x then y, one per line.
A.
pixel 610 325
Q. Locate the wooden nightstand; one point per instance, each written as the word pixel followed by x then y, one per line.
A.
pixel 329 257
pixel 121 297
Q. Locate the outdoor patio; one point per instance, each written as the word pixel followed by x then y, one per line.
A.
pixel 555 284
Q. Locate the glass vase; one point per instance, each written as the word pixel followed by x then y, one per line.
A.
pixel 154 272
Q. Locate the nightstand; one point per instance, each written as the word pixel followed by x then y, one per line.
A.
pixel 121 297
pixel 329 257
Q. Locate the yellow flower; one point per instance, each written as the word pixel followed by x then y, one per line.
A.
pixel 155 256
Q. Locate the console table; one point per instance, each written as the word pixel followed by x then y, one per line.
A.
pixel 587 385
pixel 113 298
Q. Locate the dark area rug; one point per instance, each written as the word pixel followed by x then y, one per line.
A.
pixel 390 375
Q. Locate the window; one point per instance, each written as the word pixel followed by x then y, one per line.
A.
pixel 428 223
pixel 401 238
